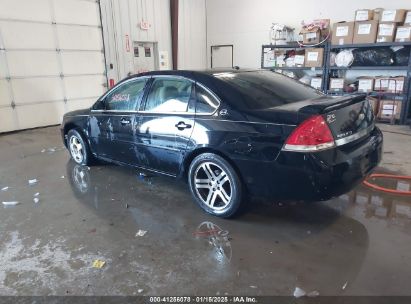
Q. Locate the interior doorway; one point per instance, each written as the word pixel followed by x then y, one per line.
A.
pixel 222 56
pixel 145 56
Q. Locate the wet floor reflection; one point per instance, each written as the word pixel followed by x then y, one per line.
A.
pixel 357 244
pixel 218 238
pixel 311 246
pixel 380 204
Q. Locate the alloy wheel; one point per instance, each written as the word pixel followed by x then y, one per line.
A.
pixel 76 149
pixel 213 186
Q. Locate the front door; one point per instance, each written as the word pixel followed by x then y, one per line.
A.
pixel 166 123
pixel 114 120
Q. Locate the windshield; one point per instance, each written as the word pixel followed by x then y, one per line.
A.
pixel 266 89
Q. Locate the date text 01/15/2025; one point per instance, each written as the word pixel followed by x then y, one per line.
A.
pixel 203 299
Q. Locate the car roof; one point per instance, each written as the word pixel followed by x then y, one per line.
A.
pixel 193 73
pixel 225 92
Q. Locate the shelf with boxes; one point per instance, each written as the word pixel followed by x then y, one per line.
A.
pixel 372 54
pixel 294 57
pixel 370 26
pixel 394 68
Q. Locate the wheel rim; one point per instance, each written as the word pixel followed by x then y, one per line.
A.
pixel 213 186
pixel 76 149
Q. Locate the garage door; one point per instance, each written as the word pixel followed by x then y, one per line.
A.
pixel 51 60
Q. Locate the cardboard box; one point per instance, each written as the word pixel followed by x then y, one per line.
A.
pixel 314 57
pixel 337 84
pixel 365 84
pixel 403 34
pixel 279 56
pixel 343 33
pixel 299 60
pixel 397 16
pixel 365 31
pixel 375 103
pixel 396 84
pixel 386 32
pixel 377 14
pixel 408 18
pixel 389 109
pixel 364 15
pixel 316 82
pixel 316 31
pixel 295 58
pixel 311 36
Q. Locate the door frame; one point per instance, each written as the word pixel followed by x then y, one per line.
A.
pixel 223 45
pixel 155 51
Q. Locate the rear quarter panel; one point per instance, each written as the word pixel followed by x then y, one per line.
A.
pixel 247 145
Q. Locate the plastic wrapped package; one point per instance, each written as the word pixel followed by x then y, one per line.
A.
pixel 373 56
pixel 401 55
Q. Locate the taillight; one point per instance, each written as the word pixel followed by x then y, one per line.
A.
pixel 311 135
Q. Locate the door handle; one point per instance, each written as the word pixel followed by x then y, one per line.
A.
pixel 125 121
pixel 182 125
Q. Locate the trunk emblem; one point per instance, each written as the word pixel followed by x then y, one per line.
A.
pixel 331 118
pixel 223 112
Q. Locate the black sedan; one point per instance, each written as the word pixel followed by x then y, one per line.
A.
pixel 232 134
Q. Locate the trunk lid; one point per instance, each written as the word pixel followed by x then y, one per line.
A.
pixel 348 117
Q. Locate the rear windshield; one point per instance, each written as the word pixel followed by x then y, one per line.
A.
pixel 266 89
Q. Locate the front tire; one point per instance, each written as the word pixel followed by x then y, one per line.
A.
pixel 78 148
pixel 215 185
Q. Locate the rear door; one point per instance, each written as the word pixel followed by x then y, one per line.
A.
pixel 113 121
pixel 166 123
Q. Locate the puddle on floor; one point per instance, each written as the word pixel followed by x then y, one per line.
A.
pixel 269 250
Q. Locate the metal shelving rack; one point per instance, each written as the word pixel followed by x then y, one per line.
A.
pixel 404 97
pixel 326 70
pixel 296 46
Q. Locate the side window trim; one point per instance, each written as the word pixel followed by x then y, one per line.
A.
pixel 103 97
pixel 211 93
pixel 144 101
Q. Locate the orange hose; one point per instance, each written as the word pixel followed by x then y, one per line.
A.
pixel 383 189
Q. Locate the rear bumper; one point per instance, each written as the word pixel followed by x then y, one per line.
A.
pixel 314 176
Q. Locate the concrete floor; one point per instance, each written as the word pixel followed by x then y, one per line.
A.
pixel 358 244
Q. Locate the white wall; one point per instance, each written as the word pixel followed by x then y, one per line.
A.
pixel 122 18
pixel 246 23
pixel 192 44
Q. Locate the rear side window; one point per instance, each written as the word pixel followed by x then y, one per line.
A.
pixel 169 95
pixel 126 97
pixel 206 102
pixel 266 89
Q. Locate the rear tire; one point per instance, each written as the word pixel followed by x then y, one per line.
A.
pixel 215 185
pixel 78 148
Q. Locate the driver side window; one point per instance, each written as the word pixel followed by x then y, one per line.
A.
pixel 126 97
